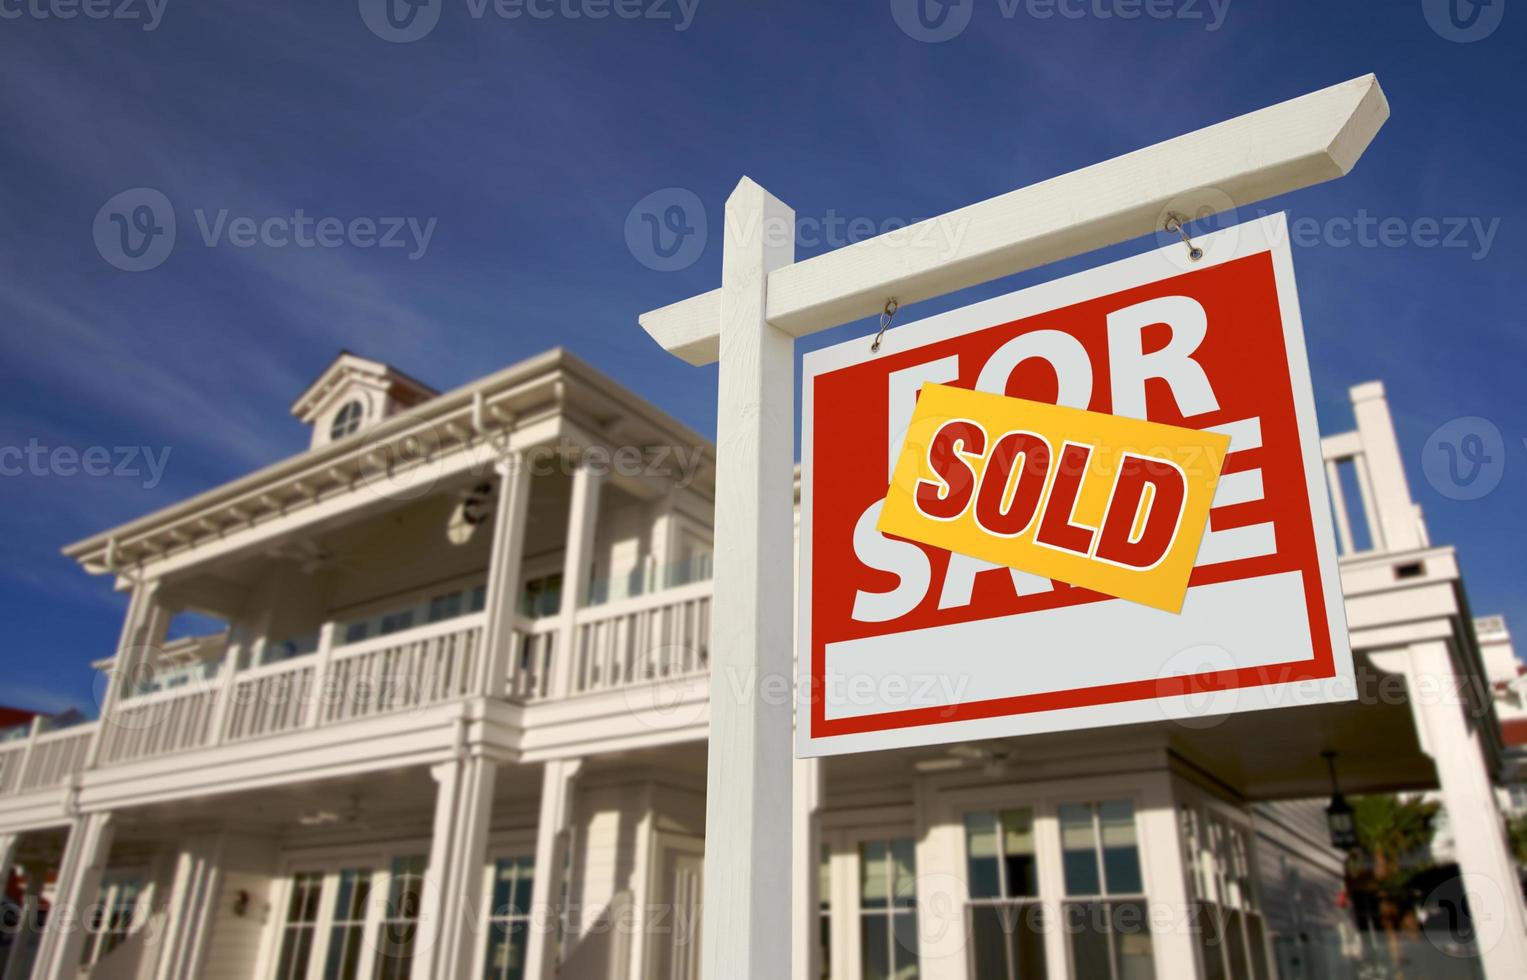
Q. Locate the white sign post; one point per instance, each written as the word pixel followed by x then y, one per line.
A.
pixel 747 325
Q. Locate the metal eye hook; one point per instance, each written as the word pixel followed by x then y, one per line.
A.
pixel 1174 226
pixel 886 316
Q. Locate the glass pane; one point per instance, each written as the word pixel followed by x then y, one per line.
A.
pixel 296 945
pixel 981 851
pixel 344 952
pixel 1210 943
pixel 1087 924
pixel 305 894
pixel 1258 951
pixel 904 936
pixel 903 873
pixel 1121 853
pixel 1133 959
pixel 875 946
pixel 1079 850
pixel 1018 853
pixel 506 951
pixel 1235 944
pixel 394 952
pixel 988 942
pixel 874 875
pixel 505 876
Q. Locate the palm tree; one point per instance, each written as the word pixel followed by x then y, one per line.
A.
pixel 1394 835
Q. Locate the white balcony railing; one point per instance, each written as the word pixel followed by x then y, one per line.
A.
pixel 1368 459
pixel 409 669
pixel 648 638
pixel 43 760
pixel 620 644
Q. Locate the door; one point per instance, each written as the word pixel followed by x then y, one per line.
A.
pixel 674 940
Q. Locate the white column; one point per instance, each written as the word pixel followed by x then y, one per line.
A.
pixel 227 680
pixel 142 635
pixel 1166 881
pixel 79 885
pixel 1398 520
pixel 7 856
pixel 503 599
pixel 1484 860
pixel 582 521
pixel 558 779
pixel 449 923
pixel 806 855
pixel 747 804
pixel 189 910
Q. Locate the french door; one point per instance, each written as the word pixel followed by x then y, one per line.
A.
pixel 354 921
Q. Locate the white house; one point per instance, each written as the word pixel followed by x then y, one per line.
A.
pixel 457 728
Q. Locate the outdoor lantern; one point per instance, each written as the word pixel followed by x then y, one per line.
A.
pixel 1339 818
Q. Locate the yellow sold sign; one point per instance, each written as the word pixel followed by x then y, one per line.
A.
pixel 1107 503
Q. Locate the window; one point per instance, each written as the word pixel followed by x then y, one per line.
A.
pixel 348 930
pixel 1229 925
pixel 542 596
pixel 1106 916
pixel 888 909
pixel 297 932
pixel 347 420
pixel 396 622
pixel 444 607
pixel 508 919
pixel 111 919
pixel 400 922
pixel 1005 920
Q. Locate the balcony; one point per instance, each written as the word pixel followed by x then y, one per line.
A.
pixel 641 640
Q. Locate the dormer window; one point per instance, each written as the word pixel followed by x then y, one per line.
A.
pixel 347 420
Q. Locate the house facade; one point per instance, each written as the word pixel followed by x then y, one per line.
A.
pixel 456 727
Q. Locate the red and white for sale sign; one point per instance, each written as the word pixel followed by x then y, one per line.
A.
pixel 905 644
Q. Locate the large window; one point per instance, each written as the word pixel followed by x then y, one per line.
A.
pixel 1004 918
pixel 888 909
pixel 1228 919
pixel 400 921
pixel 298 931
pixel 1106 919
pixel 508 919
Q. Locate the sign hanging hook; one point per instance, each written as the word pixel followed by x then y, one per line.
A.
pixel 1174 225
pixel 886 316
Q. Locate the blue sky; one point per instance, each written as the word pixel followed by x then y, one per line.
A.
pixel 527 141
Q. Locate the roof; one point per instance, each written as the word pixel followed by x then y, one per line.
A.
pixel 10 717
pixel 301 478
pixel 408 390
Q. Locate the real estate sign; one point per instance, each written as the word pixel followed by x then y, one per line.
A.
pixel 1123 513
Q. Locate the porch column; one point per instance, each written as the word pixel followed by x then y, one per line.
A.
pixel 558 779
pixel 1452 738
pixel 197 870
pixel 79 885
pixel 504 573
pixel 448 924
pixel 142 635
pixel 582 520
pixel 1169 906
